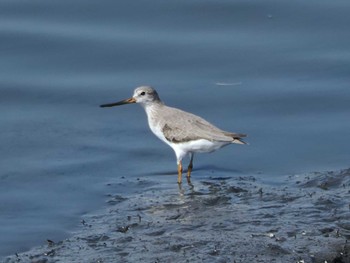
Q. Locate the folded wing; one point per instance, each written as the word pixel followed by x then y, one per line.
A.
pixel 184 126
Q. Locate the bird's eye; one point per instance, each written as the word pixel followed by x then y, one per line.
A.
pixel 143 93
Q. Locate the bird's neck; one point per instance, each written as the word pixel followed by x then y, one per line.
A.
pixel 152 108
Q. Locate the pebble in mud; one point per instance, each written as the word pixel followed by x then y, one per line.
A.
pixel 123 229
pixel 228 222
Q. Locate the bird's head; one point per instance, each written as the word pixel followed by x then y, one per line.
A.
pixel 145 95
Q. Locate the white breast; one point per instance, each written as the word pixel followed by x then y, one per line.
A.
pixel 155 125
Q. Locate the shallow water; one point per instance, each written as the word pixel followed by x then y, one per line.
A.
pixel 276 70
pixel 215 219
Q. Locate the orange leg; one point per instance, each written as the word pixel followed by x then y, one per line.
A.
pixel 190 166
pixel 179 172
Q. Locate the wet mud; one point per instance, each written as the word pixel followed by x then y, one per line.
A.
pixel 301 218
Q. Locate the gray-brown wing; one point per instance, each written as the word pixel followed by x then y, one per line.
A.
pixel 180 126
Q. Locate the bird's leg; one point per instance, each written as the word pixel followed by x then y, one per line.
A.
pixel 179 172
pixel 190 166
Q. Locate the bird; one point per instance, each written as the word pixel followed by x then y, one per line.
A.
pixel 184 132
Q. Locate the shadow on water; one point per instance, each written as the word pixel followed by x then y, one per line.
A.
pixel 207 169
pixel 160 173
pixel 217 169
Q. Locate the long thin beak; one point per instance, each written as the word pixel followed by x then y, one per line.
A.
pixel 127 101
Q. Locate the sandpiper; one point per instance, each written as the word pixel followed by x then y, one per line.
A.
pixel 185 132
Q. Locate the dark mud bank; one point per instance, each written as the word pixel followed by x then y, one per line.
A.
pixel 303 218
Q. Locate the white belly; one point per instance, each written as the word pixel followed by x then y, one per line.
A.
pixel 199 146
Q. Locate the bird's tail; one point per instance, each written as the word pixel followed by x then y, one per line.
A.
pixel 237 138
pixel 238 141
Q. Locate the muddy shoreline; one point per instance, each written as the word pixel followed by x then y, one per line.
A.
pixel 302 218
